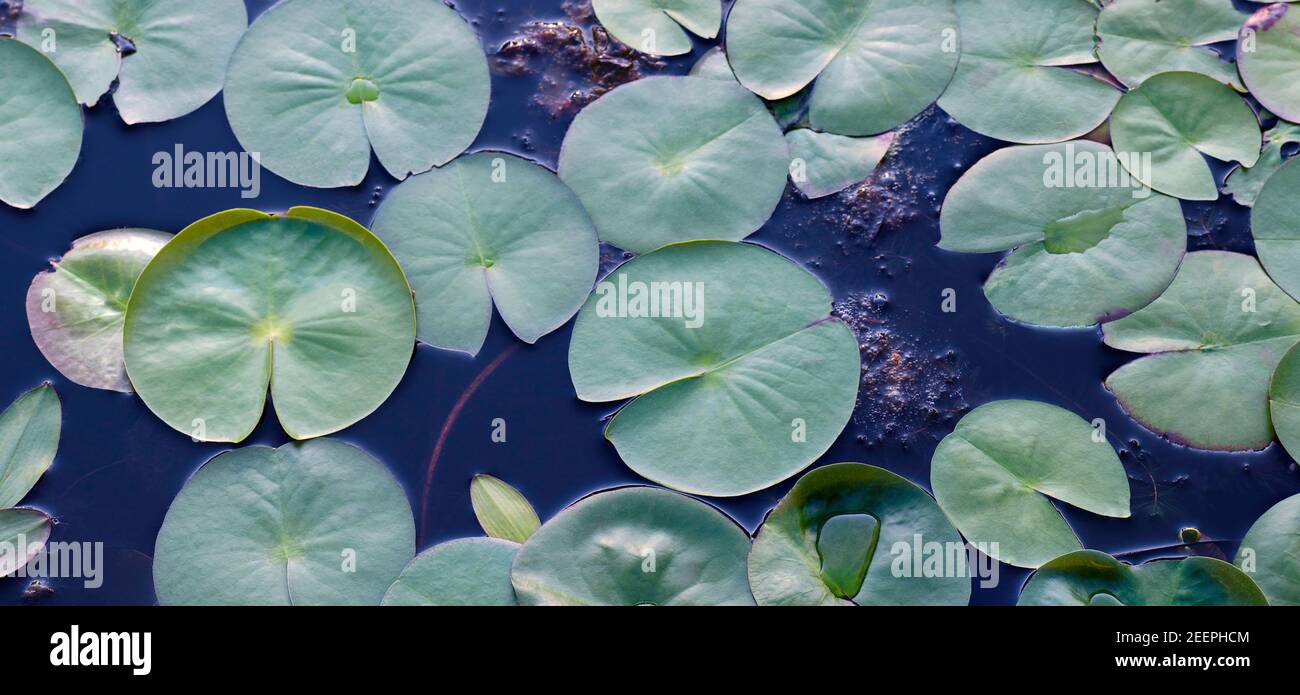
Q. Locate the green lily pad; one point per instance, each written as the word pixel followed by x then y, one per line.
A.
pixel 308 303
pixel 1275 225
pixel 825 163
pixel 1213 340
pixel 635 546
pixel 1245 183
pixel 668 159
pixel 995 473
pixel 743 387
pixel 309 523
pixel 501 510
pixel 1179 117
pixel 180 50
pixel 1070 240
pixel 1268 55
pixel 839 536
pixel 713 65
pixel 25 531
pixel 315 84
pixel 29 438
pixel 75 311
pixel 40 125
pixel 1091 578
pixel 656 26
pixel 465 572
pixel 1284 401
pixel 877 64
pixel 1270 552
pixel 490 228
pixel 1140 38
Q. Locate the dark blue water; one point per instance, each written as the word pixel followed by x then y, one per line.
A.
pixel 119 467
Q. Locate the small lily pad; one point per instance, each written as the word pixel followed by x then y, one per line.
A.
pixel 825 163
pixel 1270 552
pixel 465 572
pixel 29 438
pixel 1275 225
pixel 1092 578
pixel 1245 183
pixel 501 510
pixel 1140 38
pixel 1268 55
pixel 309 523
pixel 40 125
pixel 841 533
pixel 23 533
pixel 656 26
pixel 994 475
pixel 635 546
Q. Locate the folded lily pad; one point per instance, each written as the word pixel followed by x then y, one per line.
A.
pixel 1275 225
pixel 656 26
pixel 1270 552
pixel 24 532
pixel 741 384
pixel 308 303
pixel 1093 578
pixel 1267 55
pixel 1179 117
pixel 1140 38
pixel 75 311
pixel 635 546
pixel 178 56
pixel 501 510
pixel 1245 183
pixel 668 159
pixel 40 125
pixel 1015 80
pixel 825 163
pixel 1213 340
pixel 1070 241
pixel 994 475
pixel 490 228
pixel 841 533
pixel 464 572
pixel 315 84
pixel 309 523
pixel 29 438
pixel 877 64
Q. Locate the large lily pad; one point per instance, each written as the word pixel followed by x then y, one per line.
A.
pixel 668 159
pixel 1071 239
pixel 1015 80
pixel 315 84
pixel 635 546
pixel 1140 38
pixel 825 163
pixel 877 64
pixel 40 125
pixel 656 26
pixel 490 228
pixel 25 532
pixel 1213 340
pixel 1275 225
pixel 840 535
pixel 179 50
pixel 309 523
pixel 1268 55
pixel 995 473
pixel 465 572
pixel 29 438
pixel 75 311
pixel 1270 552
pixel 1284 401
pixel 308 303
pixel 1093 578
pixel 1179 117
pixel 739 394
pixel 1245 183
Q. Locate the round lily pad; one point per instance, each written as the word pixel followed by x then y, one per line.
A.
pixel 1213 339
pixel 1268 55
pixel 1140 38
pixel 1016 80
pixel 309 523
pixel 40 125
pixel 308 303
pixel 23 533
pixel 1284 401
pixel 825 163
pixel 490 228
pixel 176 62
pixel 29 438
pixel 1075 222
pixel 841 536
pixel 1245 183
pixel 877 64
pixel 315 84
pixel 465 572
pixel 658 27
pixel 1093 578
pixel 668 159
pixel 742 378
pixel 1270 552
pixel 1179 117
pixel 1275 225
pixel 995 473
pixel 75 311
pixel 635 546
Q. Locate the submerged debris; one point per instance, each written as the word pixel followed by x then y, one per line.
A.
pixel 37 590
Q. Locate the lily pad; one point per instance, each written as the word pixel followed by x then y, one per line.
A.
pixel 656 26
pixel 1018 78
pixel 1275 225
pixel 308 303
pixel 668 159
pixel 490 228
pixel 1245 183
pixel 825 163
pixel 178 50
pixel 75 311
pixel 635 546
pixel 40 125
pixel 840 535
pixel 1270 552
pixel 1092 578
pixel 1179 117
pixel 995 473
pixel 1074 221
pixel 24 532
pixel 740 385
pixel 309 523
pixel 1140 38
pixel 1213 340
pixel 1284 401
pixel 501 510
pixel 315 84
pixel 1268 55
pixel 877 64
pixel 29 438
pixel 465 572
pixel 713 65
